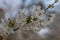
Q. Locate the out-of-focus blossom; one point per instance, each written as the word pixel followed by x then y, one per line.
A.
pixel 19 19
pixel 37 20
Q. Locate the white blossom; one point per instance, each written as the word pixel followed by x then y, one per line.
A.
pixel 35 21
pixel 38 19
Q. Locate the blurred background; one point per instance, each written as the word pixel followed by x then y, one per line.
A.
pixel 9 9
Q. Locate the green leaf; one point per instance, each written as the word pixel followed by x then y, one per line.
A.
pixel 35 19
pixel 50 6
pixel 28 19
pixel 10 23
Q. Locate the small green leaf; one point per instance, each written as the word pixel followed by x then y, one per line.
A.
pixel 11 23
pixel 50 6
pixel 28 19
pixel 35 19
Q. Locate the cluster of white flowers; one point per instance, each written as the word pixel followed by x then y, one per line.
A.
pixel 37 20
pixel 4 30
pixel 34 22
